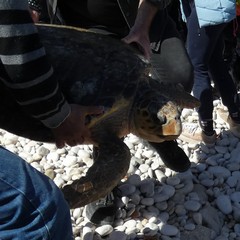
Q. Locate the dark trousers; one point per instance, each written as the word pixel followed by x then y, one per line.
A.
pixel 171 61
pixel 205 48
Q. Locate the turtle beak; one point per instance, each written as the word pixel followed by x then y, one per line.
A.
pixel 172 128
pixel 171 113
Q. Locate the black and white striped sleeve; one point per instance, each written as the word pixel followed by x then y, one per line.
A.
pixel 25 69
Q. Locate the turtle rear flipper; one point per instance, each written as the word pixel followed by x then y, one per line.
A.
pixel 109 167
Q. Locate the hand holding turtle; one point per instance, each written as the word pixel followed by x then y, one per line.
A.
pixel 34 15
pixel 139 33
pixel 73 130
pixel 141 40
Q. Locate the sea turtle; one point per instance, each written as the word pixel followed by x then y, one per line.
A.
pixel 94 69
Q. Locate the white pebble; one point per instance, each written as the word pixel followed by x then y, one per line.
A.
pixel 53 156
pixel 235 197
pixel 197 217
pixel 104 230
pixel 130 223
pixel 147 201
pixel 117 235
pixel 169 230
pixel 143 168
pixel 173 181
pixel 69 161
pixel 87 233
pixel 224 204
pixel 59 181
pixel 219 171
pixel 190 226
pixel 192 205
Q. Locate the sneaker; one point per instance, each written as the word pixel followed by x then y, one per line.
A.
pixel 209 140
pixel 192 133
pixel 233 126
pixel 223 114
pixel 102 211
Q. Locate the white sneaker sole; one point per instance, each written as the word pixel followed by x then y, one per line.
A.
pixel 189 140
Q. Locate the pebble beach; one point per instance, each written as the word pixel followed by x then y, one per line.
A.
pixel 155 203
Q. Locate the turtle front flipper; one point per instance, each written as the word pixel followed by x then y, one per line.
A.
pixel 172 155
pixel 109 167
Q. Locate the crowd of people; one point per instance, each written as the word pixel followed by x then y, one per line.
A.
pixel 32 207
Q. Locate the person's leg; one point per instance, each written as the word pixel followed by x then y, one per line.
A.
pixel 221 77
pixel 171 61
pixel 31 205
pixel 226 87
pixel 201 43
pixel 200 46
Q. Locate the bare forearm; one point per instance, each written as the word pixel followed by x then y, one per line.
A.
pixel 146 13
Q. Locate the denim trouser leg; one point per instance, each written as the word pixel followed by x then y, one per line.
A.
pixel 31 205
pixel 205 47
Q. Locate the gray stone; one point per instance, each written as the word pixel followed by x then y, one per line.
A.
pixel 212 218
pixel 199 233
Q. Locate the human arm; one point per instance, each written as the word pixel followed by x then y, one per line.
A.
pixel 139 33
pixel 30 77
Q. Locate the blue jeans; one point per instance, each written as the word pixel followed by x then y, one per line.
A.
pixel 205 48
pixel 31 205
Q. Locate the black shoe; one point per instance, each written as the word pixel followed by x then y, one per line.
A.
pixel 172 155
pixel 102 211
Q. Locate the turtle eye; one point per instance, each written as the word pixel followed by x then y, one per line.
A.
pixel 162 118
pixel 156 116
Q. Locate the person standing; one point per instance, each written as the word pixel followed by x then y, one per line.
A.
pixel 31 205
pixel 206 21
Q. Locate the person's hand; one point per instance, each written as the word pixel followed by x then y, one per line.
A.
pixel 139 33
pixel 35 15
pixel 73 130
pixel 141 40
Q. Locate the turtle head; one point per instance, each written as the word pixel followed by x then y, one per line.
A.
pixel 156 118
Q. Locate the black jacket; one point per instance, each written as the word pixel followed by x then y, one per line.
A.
pixel 129 10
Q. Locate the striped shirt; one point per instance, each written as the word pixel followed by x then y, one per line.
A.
pixel 24 68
